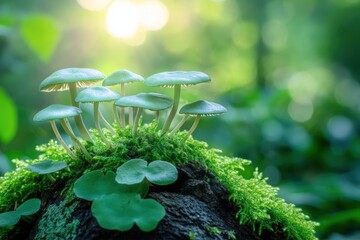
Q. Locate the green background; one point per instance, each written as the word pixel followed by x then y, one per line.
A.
pixel 288 72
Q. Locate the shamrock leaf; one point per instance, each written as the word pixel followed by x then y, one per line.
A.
pixel 136 170
pixel 116 212
pixel 95 184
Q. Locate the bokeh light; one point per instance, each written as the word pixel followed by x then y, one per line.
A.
pixel 122 20
pixel 127 20
pixel 93 5
pixel 153 15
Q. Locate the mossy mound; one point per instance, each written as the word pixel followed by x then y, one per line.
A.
pixel 258 203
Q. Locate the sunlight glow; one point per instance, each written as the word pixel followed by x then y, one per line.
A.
pixel 122 20
pixel 125 19
pixel 93 5
pixel 153 15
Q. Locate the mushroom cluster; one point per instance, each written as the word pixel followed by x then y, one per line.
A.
pixel 73 78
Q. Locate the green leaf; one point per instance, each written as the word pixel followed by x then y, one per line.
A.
pixel 114 212
pixel 41 33
pixel 8 119
pixel 47 166
pixel 95 184
pixel 29 207
pixel 136 170
pixel 8 219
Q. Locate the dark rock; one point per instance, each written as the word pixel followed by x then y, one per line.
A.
pixel 196 205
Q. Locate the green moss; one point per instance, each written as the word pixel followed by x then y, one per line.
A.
pixel 55 222
pixel 228 234
pixel 258 202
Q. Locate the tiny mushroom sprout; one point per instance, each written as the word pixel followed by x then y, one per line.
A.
pixel 26 209
pixel 198 109
pixel 175 79
pixel 46 167
pixel 62 112
pixel 70 79
pixel 151 101
pixel 122 77
pixel 96 95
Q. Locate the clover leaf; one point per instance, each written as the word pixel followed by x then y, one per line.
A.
pixel 95 184
pixel 136 170
pixel 8 219
pixel 47 166
pixel 115 212
pixel 29 207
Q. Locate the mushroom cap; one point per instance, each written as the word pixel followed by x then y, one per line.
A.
pixel 56 111
pixel 151 101
pixel 122 76
pixel 169 79
pixel 202 107
pixel 60 80
pixel 96 94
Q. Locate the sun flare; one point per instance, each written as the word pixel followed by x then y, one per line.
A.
pixel 124 18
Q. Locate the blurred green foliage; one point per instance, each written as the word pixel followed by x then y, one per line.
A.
pixel 288 71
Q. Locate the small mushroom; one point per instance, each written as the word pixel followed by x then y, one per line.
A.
pixel 70 79
pixel 96 95
pixel 198 109
pixel 62 112
pixel 122 77
pixel 175 79
pixel 151 101
pixel 47 167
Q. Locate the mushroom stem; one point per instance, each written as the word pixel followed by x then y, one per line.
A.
pixel 131 116
pixel 116 116
pixel 76 144
pixel 69 131
pixel 106 123
pixel 183 120
pixel 78 119
pixel 136 123
pixel 98 127
pixel 177 91
pixel 61 140
pixel 158 116
pixel 122 110
pixel 69 126
pixel 193 127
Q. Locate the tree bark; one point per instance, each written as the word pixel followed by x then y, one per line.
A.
pixel 197 207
